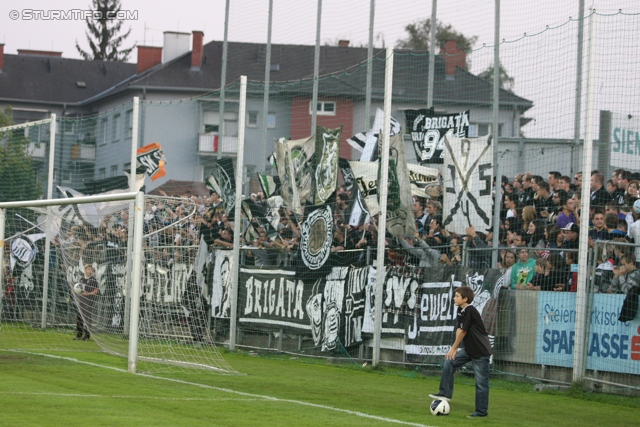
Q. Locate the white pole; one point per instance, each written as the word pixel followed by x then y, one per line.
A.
pixel 132 188
pixel 237 220
pixel 367 93
pixel 316 71
pixel 578 98
pixel 223 81
pixel 383 191
pixel 580 350
pixel 136 283
pixel 495 130
pixel 432 54
pixel 265 100
pixel 74 200
pixel 47 239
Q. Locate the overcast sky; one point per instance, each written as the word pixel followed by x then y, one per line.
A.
pixel 543 66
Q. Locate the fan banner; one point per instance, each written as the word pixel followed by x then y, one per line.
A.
pixel 422 178
pixel 400 218
pixel 270 185
pixel 295 160
pixel 366 143
pixel 467 183
pixel 326 169
pixel 152 157
pixel 428 130
pixel 338 307
pixel 316 237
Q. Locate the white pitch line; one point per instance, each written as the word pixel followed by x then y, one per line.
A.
pixel 242 393
pixel 102 396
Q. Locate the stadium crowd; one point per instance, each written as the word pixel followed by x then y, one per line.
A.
pixel 540 222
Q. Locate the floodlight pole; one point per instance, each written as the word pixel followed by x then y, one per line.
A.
pixel 383 188
pixel 223 81
pixel 367 93
pixel 237 219
pixel 432 54
pixel 316 72
pixel 497 196
pixel 580 349
pixel 47 232
pixel 265 100
pixel 136 282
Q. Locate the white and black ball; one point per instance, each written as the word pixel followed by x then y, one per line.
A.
pixel 440 407
pixel 78 288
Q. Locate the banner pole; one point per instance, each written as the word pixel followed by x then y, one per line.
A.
pixel 316 72
pixel 383 187
pixel 497 192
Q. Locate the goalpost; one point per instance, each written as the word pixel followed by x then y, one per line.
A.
pixel 159 322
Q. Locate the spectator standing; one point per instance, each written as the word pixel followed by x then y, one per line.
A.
pixel 522 272
pixel 599 196
pixel 625 277
pixel 568 213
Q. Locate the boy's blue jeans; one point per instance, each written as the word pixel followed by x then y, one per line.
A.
pixel 481 372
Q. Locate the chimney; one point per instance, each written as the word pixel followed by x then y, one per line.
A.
pixel 196 50
pixel 343 43
pixel 148 57
pixel 39 53
pixel 453 57
pixel 1 58
pixel 175 45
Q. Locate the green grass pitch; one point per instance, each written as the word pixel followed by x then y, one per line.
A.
pixel 93 389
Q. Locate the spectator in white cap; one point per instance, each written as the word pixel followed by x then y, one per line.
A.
pixel 571 232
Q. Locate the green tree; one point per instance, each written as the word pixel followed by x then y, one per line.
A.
pixel 102 34
pixel 17 174
pixel 506 81
pixel 419 35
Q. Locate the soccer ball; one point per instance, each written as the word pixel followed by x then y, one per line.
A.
pixel 440 407
pixel 78 288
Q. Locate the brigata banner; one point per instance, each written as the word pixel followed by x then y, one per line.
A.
pixel 613 346
pixel 337 308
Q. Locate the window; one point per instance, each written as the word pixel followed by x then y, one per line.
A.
pixel 103 130
pixel 324 108
pixel 67 125
pixel 482 129
pixel 66 176
pixel 102 173
pixel 230 124
pixel 114 170
pixel 114 127
pixel 210 128
pixel 128 123
pixel 271 120
pixel 252 119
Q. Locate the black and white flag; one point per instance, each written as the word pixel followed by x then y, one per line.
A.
pixel 428 131
pixel 295 161
pixel 223 182
pixel 326 169
pixel 467 183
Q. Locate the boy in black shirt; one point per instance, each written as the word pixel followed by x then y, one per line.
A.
pixel 85 303
pixel 477 350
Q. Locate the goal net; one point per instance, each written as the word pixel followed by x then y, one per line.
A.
pixel 81 295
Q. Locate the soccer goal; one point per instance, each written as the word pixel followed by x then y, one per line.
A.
pixel 125 274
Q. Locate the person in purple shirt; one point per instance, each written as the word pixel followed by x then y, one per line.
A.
pixel 568 213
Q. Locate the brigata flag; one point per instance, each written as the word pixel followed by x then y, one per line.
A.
pixel 152 157
pixel 428 130
pixel 468 175
pixel 326 170
pixel 295 160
